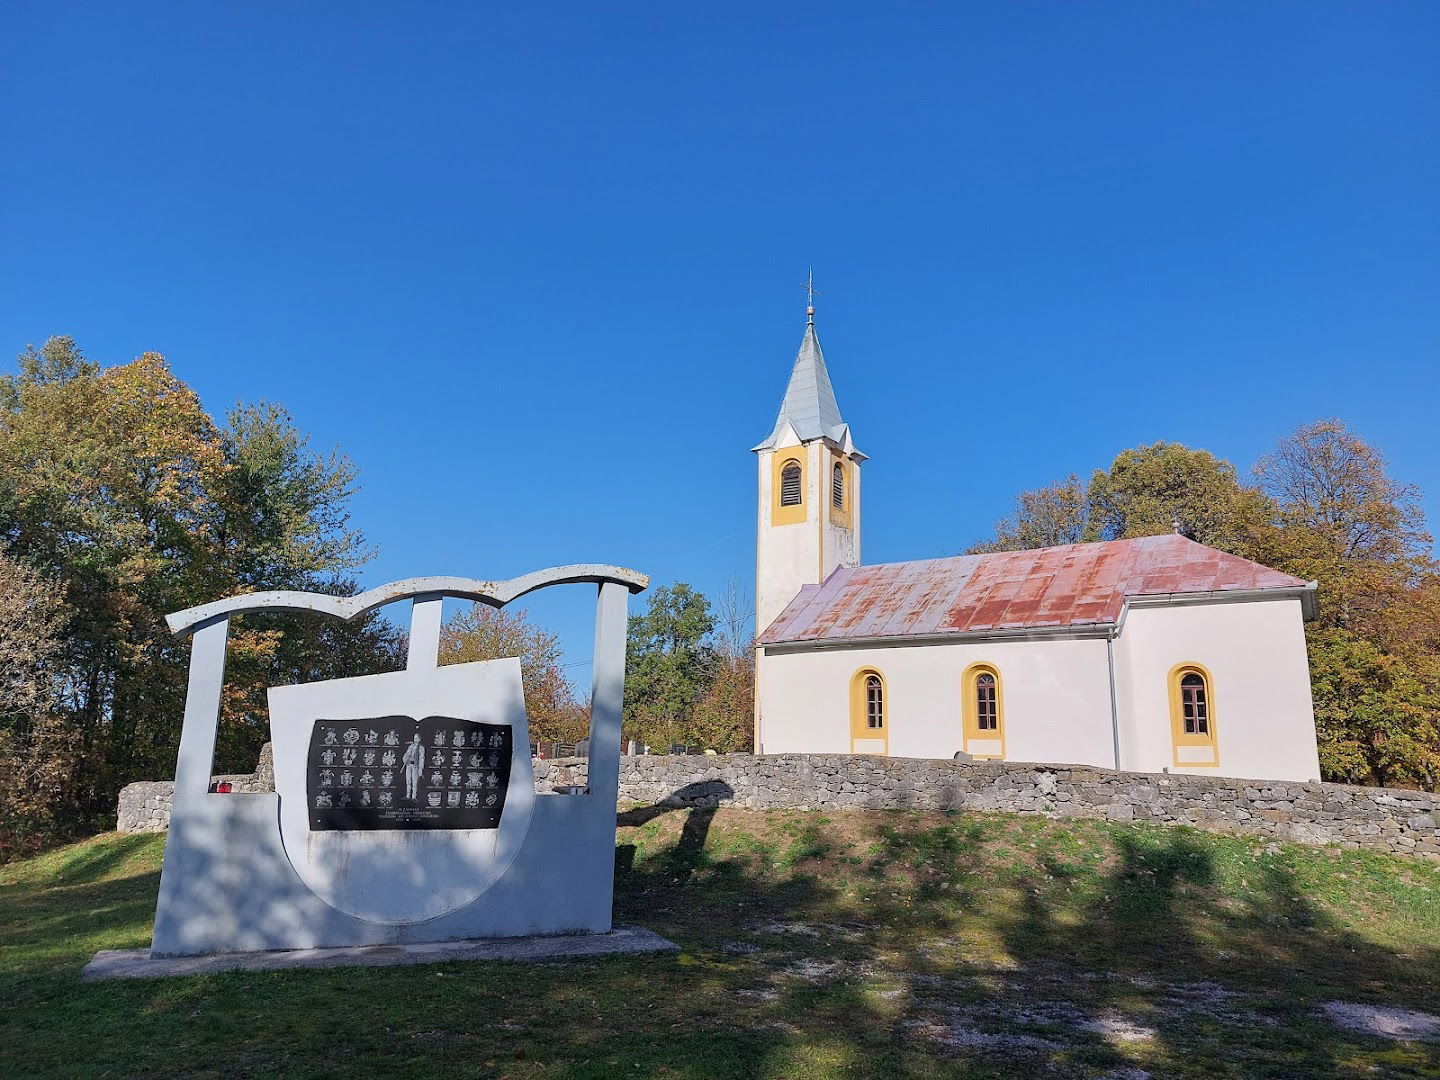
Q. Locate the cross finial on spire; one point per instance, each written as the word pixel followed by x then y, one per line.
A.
pixel 811 292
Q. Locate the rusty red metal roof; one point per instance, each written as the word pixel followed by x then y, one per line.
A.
pixel 1072 586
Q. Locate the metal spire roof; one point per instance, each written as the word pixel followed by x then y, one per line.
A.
pixel 809 406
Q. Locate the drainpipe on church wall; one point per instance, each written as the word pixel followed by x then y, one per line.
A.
pixel 1114 709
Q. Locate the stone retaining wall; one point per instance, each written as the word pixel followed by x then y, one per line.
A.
pixel 1380 819
pixel 145 806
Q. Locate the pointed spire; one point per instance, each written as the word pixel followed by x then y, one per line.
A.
pixel 809 406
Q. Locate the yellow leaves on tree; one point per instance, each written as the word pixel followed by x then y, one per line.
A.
pixel 485 633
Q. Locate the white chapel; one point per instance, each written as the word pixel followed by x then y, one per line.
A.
pixel 1154 654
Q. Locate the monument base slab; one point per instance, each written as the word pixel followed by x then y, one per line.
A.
pixel 139 964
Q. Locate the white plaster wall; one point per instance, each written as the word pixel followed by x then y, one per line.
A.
pixel 1261 707
pixel 1056 696
pixel 788 556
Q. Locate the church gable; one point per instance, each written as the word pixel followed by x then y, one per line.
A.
pixel 1049 588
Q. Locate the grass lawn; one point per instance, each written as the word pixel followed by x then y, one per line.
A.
pixel 845 944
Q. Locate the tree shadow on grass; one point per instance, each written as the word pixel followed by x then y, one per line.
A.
pixel 94 860
pixel 1155 959
pixel 1236 971
pixel 813 944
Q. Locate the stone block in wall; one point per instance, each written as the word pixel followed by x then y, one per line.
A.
pixel 265 769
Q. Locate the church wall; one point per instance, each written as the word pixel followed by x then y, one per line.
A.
pixel 1056 697
pixel 1261 707
pixel 788 555
pixel 842 540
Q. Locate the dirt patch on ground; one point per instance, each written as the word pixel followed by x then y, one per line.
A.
pixel 1402 1025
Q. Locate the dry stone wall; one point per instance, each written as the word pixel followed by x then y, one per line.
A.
pixel 1379 819
pixel 145 806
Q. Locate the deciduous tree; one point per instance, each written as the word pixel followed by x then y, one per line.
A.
pixel 1160 488
pixel 119 486
pixel 481 632
pixel 669 664
pixel 1056 514
pixel 36 758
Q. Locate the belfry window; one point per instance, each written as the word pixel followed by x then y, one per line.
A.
pixel 874 703
pixel 1194 704
pixel 790 484
pixel 837 486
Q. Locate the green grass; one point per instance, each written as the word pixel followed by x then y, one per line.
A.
pixel 847 944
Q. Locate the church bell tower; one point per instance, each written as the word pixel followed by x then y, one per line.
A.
pixel 809 487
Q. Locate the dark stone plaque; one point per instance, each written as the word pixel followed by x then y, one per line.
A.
pixel 394 772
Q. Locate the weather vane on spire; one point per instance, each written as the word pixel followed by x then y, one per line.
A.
pixel 811 292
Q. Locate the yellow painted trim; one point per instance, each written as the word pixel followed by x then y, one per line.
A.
pixel 971 714
pixel 819 536
pixel 1178 737
pixel 787 515
pixel 859 728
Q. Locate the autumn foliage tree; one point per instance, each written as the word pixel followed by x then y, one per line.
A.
pixel 1050 516
pixel 37 758
pixel 480 632
pixel 723 719
pixel 1342 520
pixel 690 671
pixel 118 487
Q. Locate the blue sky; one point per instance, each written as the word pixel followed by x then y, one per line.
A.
pixel 537 268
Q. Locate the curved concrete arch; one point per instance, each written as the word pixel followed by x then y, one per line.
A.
pixel 495 593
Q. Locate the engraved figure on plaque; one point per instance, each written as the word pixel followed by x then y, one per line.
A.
pixel 413 760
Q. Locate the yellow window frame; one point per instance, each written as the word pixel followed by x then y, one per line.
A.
pixel 860 729
pixel 970 710
pixel 788 515
pixel 1178 736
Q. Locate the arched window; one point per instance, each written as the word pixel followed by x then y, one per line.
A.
pixel 874 703
pixel 1192 717
pixel 837 486
pixel 983 711
pixel 1194 707
pixel 987 713
pixel 790 484
pixel 869 713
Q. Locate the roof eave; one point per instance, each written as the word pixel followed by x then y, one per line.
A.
pixel 1305 592
pixel 1016 633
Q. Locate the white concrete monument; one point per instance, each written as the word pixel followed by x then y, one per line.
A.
pixel 404 809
